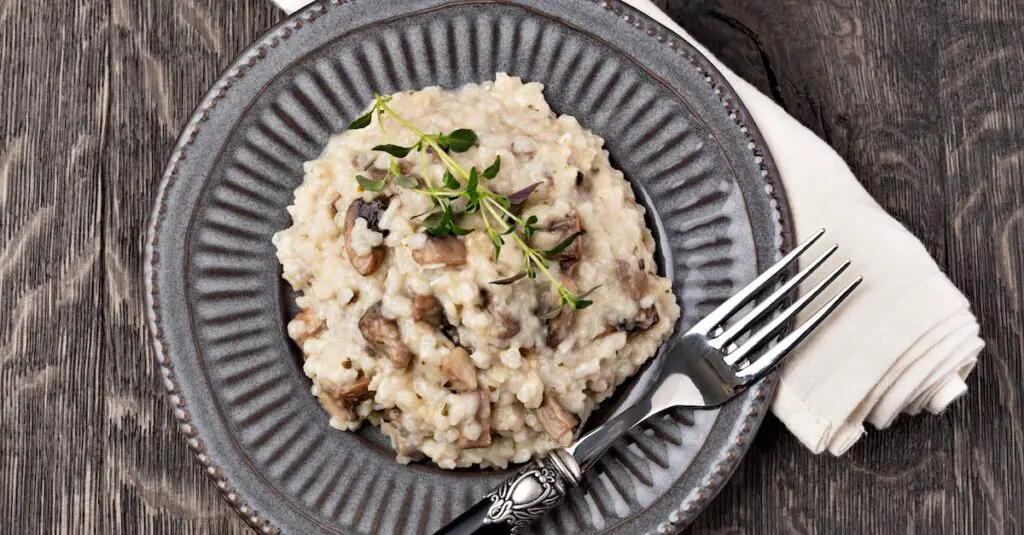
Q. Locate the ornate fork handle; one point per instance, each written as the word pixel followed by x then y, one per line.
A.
pixel 522 499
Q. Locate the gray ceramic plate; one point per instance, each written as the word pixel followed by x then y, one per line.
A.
pixel 218 306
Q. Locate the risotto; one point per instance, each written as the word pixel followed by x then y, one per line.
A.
pixel 407 330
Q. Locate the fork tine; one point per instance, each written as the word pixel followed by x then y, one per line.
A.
pixel 734 303
pixel 773 356
pixel 769 304
pixel 775 326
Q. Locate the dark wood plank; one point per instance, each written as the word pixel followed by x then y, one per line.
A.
pixel 94 96
pixel 51 184
pixel 984 142
pixel 922 98
pixel 164 56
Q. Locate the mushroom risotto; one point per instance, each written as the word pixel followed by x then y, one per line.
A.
pixel 474 275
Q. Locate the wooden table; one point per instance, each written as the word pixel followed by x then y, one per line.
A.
pixel 924 99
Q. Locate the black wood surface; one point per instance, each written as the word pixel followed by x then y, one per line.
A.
pixel 924 98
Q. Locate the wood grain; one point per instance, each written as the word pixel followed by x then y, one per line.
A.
pixel 923 98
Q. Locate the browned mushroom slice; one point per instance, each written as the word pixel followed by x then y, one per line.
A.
pixel 305 326
pixel 340 401
pixel 566 227
pixel 428 308
pixel 645 319
pixel 459 370
pixel 447 251
pixel 376 173
pixel 371 212
pixel 350 393
pixel 384 337
pixel 553 418
pixel 338 410
pixel 483 417
pixel 504 324
pixel 634 281
pixel 560 327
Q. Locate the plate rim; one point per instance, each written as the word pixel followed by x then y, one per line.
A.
pixel 261 49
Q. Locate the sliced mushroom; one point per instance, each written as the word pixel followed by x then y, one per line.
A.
pixel 566 227
pixel 634 281
pixel 504 324
pixel 350 393
pixel 340 402
pixel 377 173
pixel 384 337
pixel 371 212
pixel 338 410
pixel 459 370
pixel 645 319
pixel 447 251
pixel 483 417
pixel 553 418
pixel 428 308
pixel 305 326
pixel 561 326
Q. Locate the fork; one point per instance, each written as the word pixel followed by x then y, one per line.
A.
pixel 707 366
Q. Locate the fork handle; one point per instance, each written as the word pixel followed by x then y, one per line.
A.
pixel 523 498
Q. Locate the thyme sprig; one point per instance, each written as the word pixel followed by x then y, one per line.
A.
pixel 466 186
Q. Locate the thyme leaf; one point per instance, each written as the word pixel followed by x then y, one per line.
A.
pixel 394 150
pixel 371 185
pixel 461 140
pixel 362 121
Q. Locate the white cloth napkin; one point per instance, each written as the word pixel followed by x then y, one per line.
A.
pixel 906 339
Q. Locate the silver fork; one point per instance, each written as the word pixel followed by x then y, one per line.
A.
pixel 709 365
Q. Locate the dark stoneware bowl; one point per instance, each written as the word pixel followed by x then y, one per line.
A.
pixel 218 306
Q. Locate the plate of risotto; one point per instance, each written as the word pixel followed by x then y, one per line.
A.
pixel 402 248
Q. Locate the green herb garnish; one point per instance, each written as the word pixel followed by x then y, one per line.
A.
pixel 394 150
pixel 551 253
pixel 362 121
pixel 458 183
pixel 494 169
pixel 461 140
pixel 370 185
pixel 406 181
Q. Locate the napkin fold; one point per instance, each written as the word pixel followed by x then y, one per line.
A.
pixel 903 343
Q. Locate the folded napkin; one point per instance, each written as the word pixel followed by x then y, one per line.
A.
pixel 904 342
pixel 906 339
